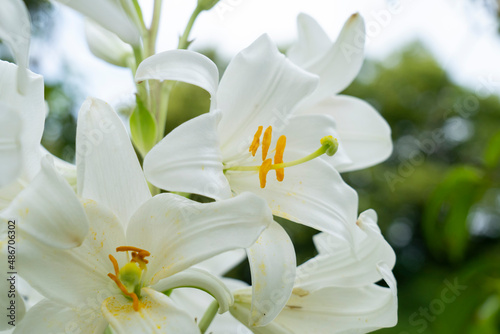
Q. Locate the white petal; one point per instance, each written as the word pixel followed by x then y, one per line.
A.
pixel 31 107
pixel 338 67
pixel 260 87
pixel 107 165
pixel 10 145
pixel 201 279
pixel 330 310
pixel 312 194
pixel 272 263
pixel 8 193
pixel 189 159
pixel 49 211
pixel 180 233
pixel 363 132
pixel 106 45
pixel 337 265
pixel 219 265
pixel 110 14
pixel 48 317
pixel 15 31
pixel 312 41
pixel 158 315
pixel 181 65
pixel 77 277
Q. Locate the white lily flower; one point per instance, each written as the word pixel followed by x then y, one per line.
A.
pixel 137 245
pixel 15 31
pixel 116 16
pixel 219 154
pixel 362 131
pixel 335 292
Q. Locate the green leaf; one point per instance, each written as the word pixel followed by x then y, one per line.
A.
pixel 143 128
pixel 445 215
pixel 492 152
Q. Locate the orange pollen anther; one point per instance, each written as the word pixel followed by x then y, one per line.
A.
pixel 138 254
pixel 278 157
pixel 264 169
pixel 122 287
pixel 266 142
pixel 256 141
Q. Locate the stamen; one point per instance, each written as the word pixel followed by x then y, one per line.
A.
pixel 266 142
pixel 122 287
pixel 278 157
pixel 256 141
pixel 263 170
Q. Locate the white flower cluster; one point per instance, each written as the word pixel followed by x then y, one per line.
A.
pixel 109 244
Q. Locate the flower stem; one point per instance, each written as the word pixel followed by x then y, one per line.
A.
pixel 208 317
pixel 153 30
pixel 184 40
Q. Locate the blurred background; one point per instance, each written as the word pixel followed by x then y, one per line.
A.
pixel 432 71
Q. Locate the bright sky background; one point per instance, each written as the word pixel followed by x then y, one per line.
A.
pixel 461 35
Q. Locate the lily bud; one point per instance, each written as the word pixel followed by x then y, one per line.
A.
pixel 106 45
pixel 207 4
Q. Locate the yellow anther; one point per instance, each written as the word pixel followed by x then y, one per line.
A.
pixel 256 141
pixel 263 170
pixel 278 157
pixel 266 142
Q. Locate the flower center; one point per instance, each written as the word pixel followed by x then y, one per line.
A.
pixel 329 146
pixel 129 277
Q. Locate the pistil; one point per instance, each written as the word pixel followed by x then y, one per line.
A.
pixel 329 146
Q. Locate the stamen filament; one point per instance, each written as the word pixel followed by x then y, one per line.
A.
pixel 115 264
pixel 122 287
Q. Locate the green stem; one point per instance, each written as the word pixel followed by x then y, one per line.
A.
pixel 320 151
pixel 183 41
pixel 164 90
pixel 153 30
pixel 208 317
